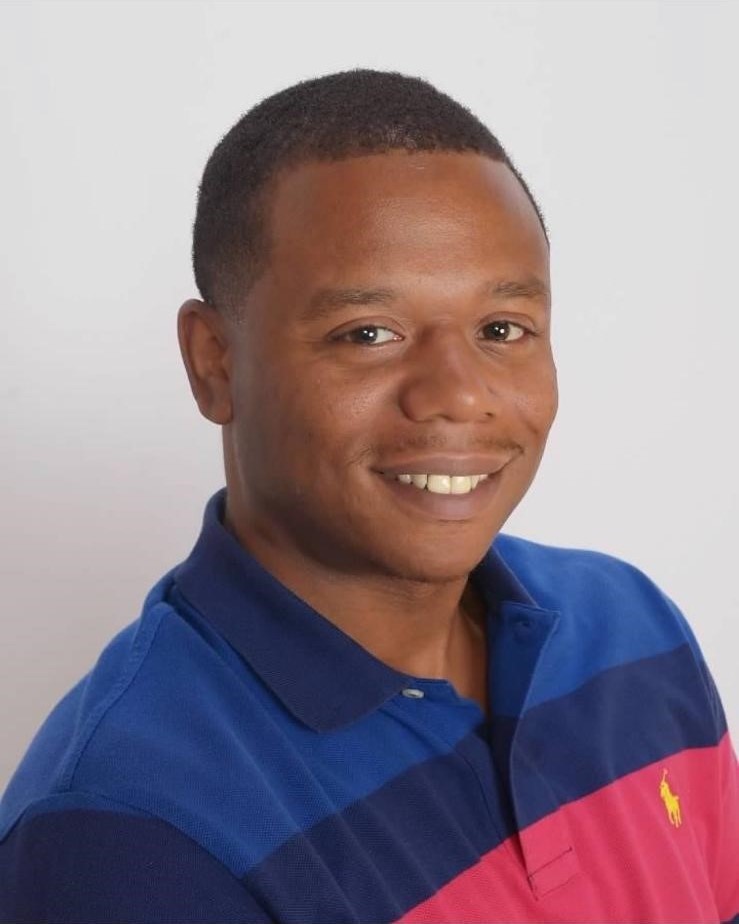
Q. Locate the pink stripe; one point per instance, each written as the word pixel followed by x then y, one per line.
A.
pixel 630 861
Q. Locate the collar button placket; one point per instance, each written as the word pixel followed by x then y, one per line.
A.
pixel 523 636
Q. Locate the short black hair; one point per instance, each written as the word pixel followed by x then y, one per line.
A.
pixel 327 118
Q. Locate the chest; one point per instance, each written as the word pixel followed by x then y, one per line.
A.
pixel 450 839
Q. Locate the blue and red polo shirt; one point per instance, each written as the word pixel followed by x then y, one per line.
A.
pixel 233 756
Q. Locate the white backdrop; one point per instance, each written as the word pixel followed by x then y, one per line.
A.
pixel 622 116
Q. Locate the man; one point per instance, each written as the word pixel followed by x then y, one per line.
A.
pixel 350 703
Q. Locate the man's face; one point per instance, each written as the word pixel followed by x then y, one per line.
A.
pixel 401 327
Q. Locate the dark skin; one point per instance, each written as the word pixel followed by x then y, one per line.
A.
pixel 370 343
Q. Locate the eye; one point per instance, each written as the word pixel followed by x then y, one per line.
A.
pixel 504 331
pixel 369 335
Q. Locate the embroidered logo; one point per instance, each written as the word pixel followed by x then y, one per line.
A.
pixel 672 802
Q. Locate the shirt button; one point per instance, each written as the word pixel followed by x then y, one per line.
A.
pixel 413 693
pixel 524 631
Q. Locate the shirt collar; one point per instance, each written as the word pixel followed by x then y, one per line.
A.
pixel 321 675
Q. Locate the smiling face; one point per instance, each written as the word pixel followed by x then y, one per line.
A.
pixel 400 328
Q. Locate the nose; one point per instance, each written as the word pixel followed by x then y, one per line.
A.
pixel 450 378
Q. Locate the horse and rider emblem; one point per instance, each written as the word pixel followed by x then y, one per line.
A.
pixel 672 802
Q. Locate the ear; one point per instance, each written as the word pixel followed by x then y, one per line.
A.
pixel 205 351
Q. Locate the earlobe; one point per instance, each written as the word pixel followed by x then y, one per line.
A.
pixel 205 353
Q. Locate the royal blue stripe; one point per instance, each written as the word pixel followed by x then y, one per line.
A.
pixel 52 758
pixel 259 776
pixel 611 614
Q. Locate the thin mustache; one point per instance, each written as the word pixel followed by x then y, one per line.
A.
pixel 438 444
pixel 442 445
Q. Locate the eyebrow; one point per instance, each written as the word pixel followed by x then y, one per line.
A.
pixel 327 301
pixel 529 287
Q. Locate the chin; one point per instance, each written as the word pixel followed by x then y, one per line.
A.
pixel 432 565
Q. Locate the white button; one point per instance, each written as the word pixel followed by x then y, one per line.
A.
pixel 413 693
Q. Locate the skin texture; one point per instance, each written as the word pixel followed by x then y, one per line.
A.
pixel 313 409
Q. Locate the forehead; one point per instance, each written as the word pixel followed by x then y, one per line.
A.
pixel 400 212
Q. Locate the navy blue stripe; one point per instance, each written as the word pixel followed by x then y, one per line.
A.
pixel 394 849
pixel 622 720
pixel 80 866
pixel 388 852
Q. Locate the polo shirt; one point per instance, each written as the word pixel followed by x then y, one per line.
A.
pixel 234 756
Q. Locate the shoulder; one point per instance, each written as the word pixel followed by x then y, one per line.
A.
pixel 142 727
pixel 170 723
pixel 578 581
pixel 557 576
pixel 611 614
pixel 55 752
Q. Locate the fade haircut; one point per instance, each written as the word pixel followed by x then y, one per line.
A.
pixel 328 118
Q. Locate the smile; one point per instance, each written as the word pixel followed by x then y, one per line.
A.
pixel 442 484
pixel 443 496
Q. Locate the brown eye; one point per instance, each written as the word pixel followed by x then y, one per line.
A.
pixel 503 331
pixel 369 334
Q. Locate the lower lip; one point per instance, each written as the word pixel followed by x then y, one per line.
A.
pixel 445 506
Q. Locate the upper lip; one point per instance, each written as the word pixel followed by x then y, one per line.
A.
pixel 445 465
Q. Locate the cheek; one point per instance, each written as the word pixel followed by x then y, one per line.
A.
pixel 534 396
pixel 303 417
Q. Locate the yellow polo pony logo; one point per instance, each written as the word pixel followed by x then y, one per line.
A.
pixel 672 802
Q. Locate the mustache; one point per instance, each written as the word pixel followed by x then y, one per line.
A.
pixel 442 444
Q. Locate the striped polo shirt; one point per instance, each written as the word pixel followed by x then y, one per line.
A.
pixel 233 756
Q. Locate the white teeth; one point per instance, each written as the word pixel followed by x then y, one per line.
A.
pixel 444 484
pixel 439 484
